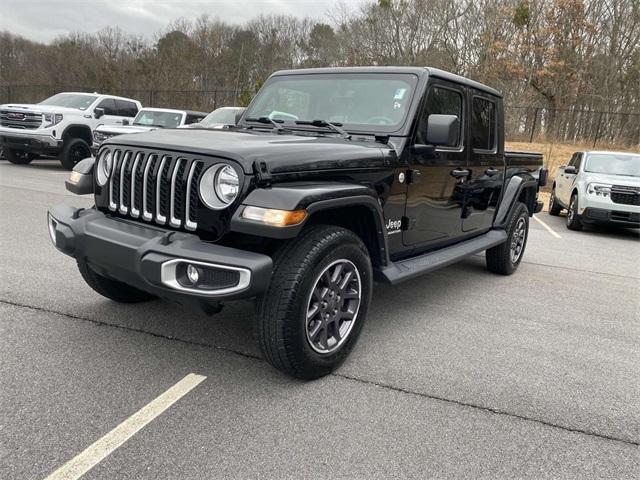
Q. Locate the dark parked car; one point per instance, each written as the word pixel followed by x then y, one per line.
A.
pixel 332 178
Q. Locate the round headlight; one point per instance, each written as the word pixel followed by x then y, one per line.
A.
pixel 219 186
pixel 103 169
pixel 227 184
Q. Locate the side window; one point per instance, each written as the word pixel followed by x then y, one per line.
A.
pixel 443 101
pixel 483 124
pixel 192 119
pixel 126 109
pixel 574 160
pixel 109 106
pixel 578 161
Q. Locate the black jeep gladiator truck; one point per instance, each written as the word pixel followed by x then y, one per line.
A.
pixel 333 178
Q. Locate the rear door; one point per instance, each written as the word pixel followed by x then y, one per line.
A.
pixel 433 209
pixel 486 163
pixel 111 116
pixel 126 109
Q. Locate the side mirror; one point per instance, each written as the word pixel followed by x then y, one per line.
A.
pixel 443 130
pixel 570 170
pixel 80 181
pixel 239 114
pixel 125 122
pixel 98 112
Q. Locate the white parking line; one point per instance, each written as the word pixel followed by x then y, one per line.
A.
pixel 94 454
pixel 549 229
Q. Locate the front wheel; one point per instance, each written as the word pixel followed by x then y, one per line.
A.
pixel 18 157
pixel 74 150
pixel 311 316
pixel 573 219
pixel 554 206
pixel 505 258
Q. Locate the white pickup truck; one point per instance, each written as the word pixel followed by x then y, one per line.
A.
pixel 598 187
pixel 61 125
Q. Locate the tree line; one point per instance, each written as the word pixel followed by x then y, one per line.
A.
pixel 561 55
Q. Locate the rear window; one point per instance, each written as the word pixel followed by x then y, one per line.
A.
pixel 126 108
pixel 483 124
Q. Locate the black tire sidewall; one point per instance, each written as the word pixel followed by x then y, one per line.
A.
pixel 69 145
pixel 281 321
pixel 18 157
pixel 349 251
pixel 575 223
pixel 521 212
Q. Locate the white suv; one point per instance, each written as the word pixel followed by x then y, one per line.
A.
pixel 61 125
pixel 598 187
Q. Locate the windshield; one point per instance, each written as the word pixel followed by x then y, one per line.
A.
pixel 362 102
pixel 151 118
pixel 613 164
pixel 70 100
pixel 224 116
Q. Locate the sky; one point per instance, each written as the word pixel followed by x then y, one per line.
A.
pixel 43 20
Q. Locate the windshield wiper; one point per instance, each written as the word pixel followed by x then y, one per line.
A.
pixel 266 121
pixel 323 123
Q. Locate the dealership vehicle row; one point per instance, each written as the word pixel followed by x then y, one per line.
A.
pixel 72 125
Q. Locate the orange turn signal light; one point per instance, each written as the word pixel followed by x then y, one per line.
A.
pixel 276 218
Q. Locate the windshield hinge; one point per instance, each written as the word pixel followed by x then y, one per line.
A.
pixel 262 173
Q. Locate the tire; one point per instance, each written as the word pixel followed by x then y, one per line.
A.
pixel 310 349
pixel 112 289
pixel 74 150
pixel 554 206
pixel 505 258
pixel 573 219
pixel 18 157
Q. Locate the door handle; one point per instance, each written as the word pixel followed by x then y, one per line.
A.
pixel 457 173
pixel 492 171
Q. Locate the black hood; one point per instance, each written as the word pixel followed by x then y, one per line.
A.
pixel 281 152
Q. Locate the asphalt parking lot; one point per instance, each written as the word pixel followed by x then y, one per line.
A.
pixel 458 374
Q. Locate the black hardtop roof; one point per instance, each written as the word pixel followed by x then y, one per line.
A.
pixel 434 72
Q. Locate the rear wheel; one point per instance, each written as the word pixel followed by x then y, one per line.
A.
pixel 112 289
pixel 554 206
pixel 505 258
pixel 573 219
pixel 18 157
pixel 312 314
pixel 74 150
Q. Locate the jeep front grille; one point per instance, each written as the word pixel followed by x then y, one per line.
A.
pixel 156 187
pixel 21 120
pixel 625 195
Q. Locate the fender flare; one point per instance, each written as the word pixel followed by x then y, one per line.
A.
pixel 511 193
pixel 77 125
pixel 314 198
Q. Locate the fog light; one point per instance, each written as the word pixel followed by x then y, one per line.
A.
pixel 52 228
pixel 192 274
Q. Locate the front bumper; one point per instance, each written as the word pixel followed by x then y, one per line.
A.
pixel 31 142
pixel 147 257
pixel 614 217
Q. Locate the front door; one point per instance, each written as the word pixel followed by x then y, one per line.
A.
pixel 433 209
pixel 486 164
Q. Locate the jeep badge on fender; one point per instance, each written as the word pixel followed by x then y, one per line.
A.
pixel 301 204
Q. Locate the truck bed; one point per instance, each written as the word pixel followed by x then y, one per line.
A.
pixel 531 160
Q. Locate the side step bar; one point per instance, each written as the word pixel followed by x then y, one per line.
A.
pixel 402 270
